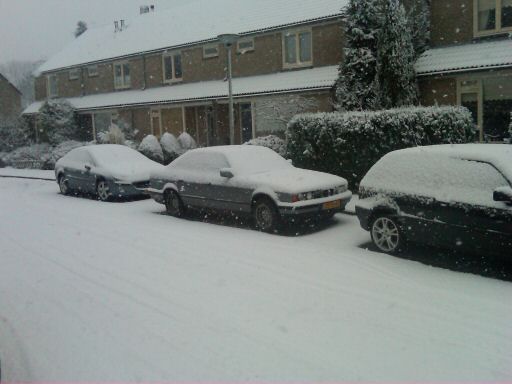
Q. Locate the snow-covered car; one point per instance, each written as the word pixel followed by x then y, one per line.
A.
pixel 450 196
pixel 247 180
pixel 107 170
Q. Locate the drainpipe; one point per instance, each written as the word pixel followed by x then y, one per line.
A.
pixel 144 72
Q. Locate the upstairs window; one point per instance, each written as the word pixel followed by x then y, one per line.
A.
pixel 493 16
pixel 92 70
pixel 210 51
pixel 298 49
pixel 52 86
pixel 74 74
pixel 173 70
pixel 122 78
pixel 245 45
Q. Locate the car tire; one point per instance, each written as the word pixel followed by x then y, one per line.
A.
pixel 266 217
pixel 103 191
pixel 63 185
pixel 387 235
pixel 173 204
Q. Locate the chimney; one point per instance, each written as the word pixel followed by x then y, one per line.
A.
pixel 146 9
pixel 116 26
pixel 122 25
pixel 152 7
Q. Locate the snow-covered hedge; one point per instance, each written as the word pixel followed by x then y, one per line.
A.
pixel 57 121
pixel 170 147
pixel 348 144
pixel 150 147
pixel 273 142
pixel 39 156
pixel 187 142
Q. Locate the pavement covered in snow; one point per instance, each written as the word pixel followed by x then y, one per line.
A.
pixel 93 291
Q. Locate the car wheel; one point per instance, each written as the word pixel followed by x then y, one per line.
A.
pixel 265 215
pixel 103 191
pixel 386 235
pixel 63 185
pixel 173 204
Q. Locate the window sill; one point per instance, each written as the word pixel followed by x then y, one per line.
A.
pixel 500 33
pixel 173 81
pixel 122 88
pixel 298 66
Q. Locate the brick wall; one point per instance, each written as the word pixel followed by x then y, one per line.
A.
pixel 10 100
pixel 265 59
pixel 452 22
pixel 438 91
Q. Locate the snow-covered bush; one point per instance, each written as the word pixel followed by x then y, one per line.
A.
pixel 114 135
pixel 170 147
pixel 273 142
pixel 187 142
pixel 39 156
pixel 33 156
pixel 348 144
pixel 14 133
pixel 57 120
pixel 150 147
pixel 510 130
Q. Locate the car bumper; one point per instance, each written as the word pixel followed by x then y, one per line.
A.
pixel 124 190
pixel 316 207
pixel 363 215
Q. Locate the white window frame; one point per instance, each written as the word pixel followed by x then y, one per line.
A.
pixel 122 64
pixel 245 40
pixel 174 79
pixel 49 87
pixel 298 63
pixel 211 55
pixel 497 30
pixel 74 74
pixel 92 70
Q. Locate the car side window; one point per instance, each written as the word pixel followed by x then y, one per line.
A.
pixel 474 182
pixel 205 162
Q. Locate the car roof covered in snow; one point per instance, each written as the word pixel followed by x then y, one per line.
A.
pixel 465 173
pixel 196 22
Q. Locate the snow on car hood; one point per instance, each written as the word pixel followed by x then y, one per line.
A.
pixel 293 180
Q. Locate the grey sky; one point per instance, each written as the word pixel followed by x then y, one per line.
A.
pixel 36 29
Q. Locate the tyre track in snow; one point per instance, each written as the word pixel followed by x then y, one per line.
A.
pixel 273 270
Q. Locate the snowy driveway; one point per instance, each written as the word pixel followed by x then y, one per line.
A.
pixel 100 292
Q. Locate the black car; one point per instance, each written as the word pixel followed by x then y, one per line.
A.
pixel 451 196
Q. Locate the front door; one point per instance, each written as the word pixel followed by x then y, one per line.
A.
pixel 246 122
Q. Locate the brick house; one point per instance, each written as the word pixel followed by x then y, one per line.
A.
pixel 165 71
pixel 470 61
pixel 10 100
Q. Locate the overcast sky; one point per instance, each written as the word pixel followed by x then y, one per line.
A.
pixel 36 29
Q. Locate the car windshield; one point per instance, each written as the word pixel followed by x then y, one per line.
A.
pixel 257 160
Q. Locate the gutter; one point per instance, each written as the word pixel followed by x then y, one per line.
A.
pixel 464 70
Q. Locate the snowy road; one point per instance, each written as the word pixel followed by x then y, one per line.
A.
pixel 100 292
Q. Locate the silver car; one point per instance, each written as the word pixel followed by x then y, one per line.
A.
pixel 108 171
pixel 247 180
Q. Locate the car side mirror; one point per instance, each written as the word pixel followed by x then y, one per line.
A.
pixel 88 167
pixel 227 173
pixel 503 194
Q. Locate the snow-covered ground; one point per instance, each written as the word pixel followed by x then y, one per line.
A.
pixel 28 173
pixel 114 292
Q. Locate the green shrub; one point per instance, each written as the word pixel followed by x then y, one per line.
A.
pixel 348 144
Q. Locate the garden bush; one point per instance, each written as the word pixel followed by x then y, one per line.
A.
pixel 348 144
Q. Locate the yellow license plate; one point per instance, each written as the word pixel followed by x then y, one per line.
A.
pixel 332 204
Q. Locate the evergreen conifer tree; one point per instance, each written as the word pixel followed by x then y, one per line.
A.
pixel 395 58
pixel 355 88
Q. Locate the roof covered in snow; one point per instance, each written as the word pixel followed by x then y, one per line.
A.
pixel 195 22
pixel 491 54
pixel 10 83
pixel 303 80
